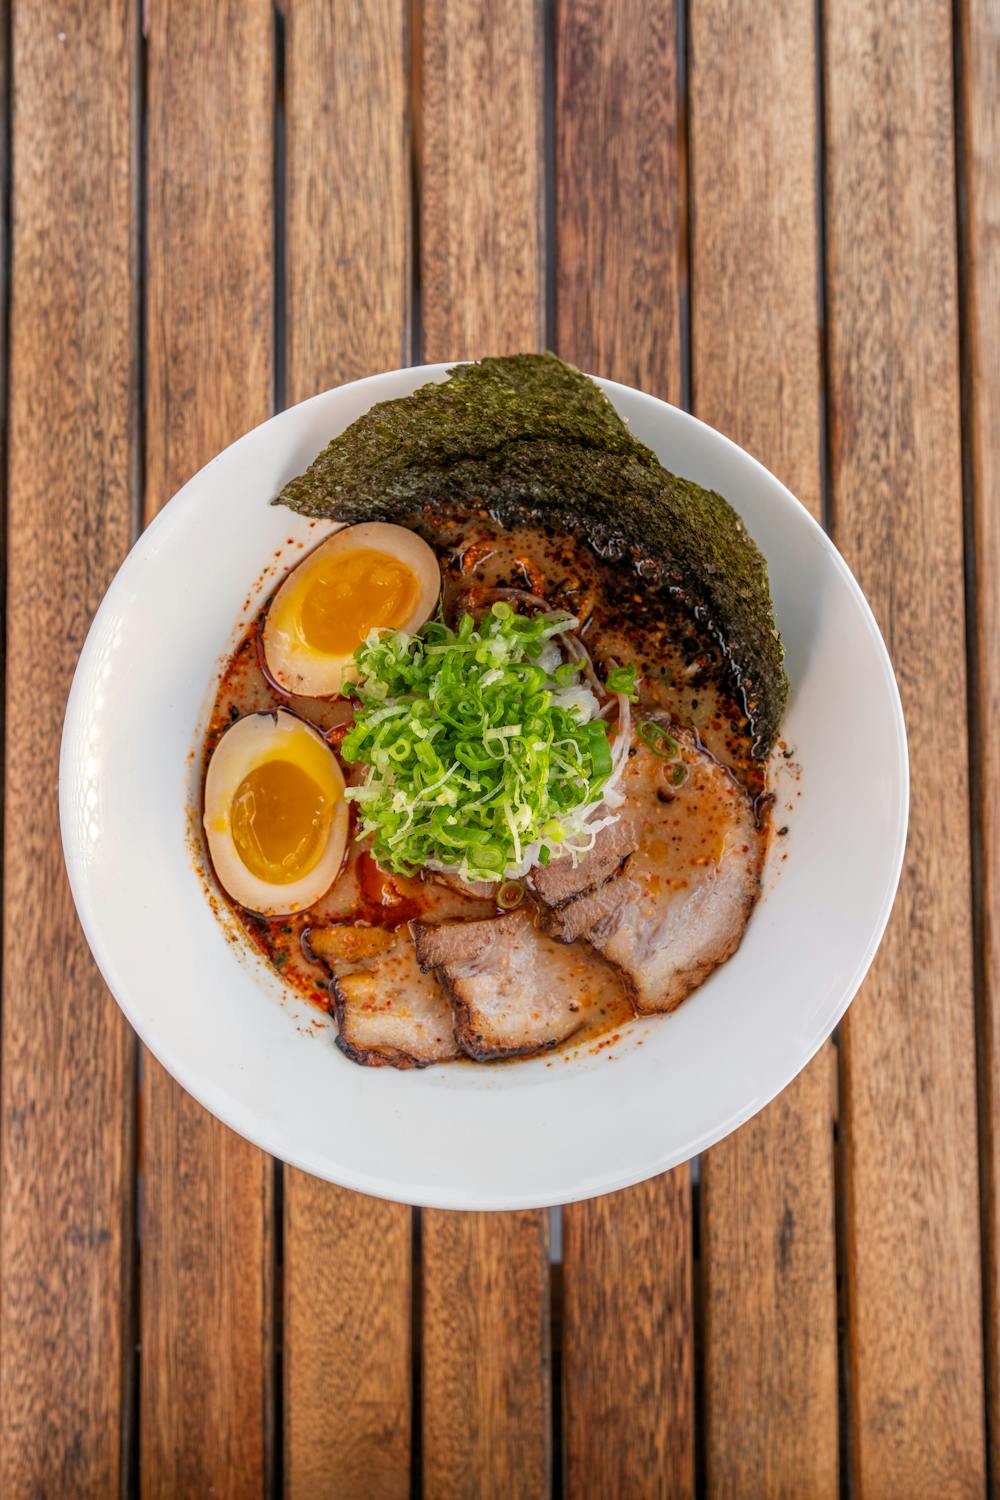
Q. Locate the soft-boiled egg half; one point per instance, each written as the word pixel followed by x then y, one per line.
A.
pixel 373 576
pixel 275 814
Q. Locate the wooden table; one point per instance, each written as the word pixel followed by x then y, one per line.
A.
pixel 783 215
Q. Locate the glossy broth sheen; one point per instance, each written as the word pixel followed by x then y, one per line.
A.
pixel 678 675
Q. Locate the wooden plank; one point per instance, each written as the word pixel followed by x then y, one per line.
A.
pixel 981 122
pixel 755 354
pixel 68 1054
pixel 628 1346
pixel 628 1362
pixel 909 1085
pixel 767 1193
pixel 347 163
pixel 619 227
pixel 486 1367
pixel 346 1356
pixel 486 1428
pixel 769 1296
pixel 481 182
pixel 206 1248
pixel 346 1343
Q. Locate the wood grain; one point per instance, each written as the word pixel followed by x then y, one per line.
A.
pixel 486 1357
pixel 348 191
pixel 486 1428
pixel 628 1363
pixel 481 177
pixel 347 1259
pixel 346 1343
pixel 628 1359
pixel 619 191
pixel 769 1297
pixel 68 1054
pixel 981 121
pixel 767 1192
pixel 755 353
pixel 909 1121
pixel 206 1277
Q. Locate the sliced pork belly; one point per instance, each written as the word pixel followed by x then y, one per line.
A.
pixel 387 1010
pixel 578 918
pixel 692 881
pixel 514 990
pixel 561 882
pixel 481 890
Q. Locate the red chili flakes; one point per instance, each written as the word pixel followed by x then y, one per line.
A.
pixel 533 575
pixel 474 555
pixel 336 736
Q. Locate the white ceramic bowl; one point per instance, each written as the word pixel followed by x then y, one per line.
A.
pixel 539 1132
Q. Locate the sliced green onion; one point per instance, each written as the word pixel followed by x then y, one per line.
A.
pixel 623 680
pixel 565 675
pixel 510 894
pixel 469 761
pixel 656 738
pixel 600 750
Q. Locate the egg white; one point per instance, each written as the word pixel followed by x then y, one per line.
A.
pixel 250 743
pixel 299 667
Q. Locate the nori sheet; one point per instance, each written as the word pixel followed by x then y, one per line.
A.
pixel 534 442
pixel 476 411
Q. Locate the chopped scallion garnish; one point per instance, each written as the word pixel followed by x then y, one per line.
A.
pixel 510 895
pixel 480 760
pixel 656 738
pixel 623 680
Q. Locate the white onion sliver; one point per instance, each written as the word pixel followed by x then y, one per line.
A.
pixel 576 697
pixel 549 658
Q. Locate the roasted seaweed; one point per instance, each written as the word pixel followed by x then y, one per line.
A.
pixel 533 441
pixel 475 412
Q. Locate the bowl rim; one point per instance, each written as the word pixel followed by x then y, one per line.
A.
pixel 197 1083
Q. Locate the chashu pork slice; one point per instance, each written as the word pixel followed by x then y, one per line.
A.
pixel 515 991
pixel 682 906
pixel 559 883
pixel 480 890
pixel 578 918
pixel 388 1011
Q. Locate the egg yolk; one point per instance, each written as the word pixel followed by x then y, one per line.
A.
pixel 352 593
pixel 280 819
